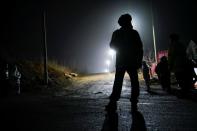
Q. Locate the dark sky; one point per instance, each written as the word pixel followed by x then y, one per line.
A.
pixel 79 31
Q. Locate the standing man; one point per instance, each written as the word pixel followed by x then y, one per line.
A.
pixel 180 65
pixel 146 74
pixel 129 53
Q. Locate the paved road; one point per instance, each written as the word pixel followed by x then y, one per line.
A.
pixel 81 108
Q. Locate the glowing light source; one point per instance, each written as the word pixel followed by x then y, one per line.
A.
pixel 112 52
pixel 106 70
pixel 108 62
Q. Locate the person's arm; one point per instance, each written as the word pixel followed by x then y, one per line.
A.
pixel 140 48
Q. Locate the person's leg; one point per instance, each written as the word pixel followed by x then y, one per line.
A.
pixel 135 87
pixel 147 81
pixel 163 83
pixel 188 78
pixel 117 87
pixel 116 91
pixel 167 82
pixel 182 83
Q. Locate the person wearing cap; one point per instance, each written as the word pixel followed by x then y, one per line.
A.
pixel 129 53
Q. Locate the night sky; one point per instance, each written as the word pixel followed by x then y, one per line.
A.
pixel 79 31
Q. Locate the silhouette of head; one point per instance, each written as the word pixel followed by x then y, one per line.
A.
pixel 125 20
pixel 164 59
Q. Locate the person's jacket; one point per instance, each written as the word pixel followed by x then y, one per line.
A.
pixel 177 56
pixel 128 46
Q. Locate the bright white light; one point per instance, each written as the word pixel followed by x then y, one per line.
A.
pixel 112 52
pixel 106 70
pixel 108 62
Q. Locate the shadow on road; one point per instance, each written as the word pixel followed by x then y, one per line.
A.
pixel 153 93
pixel 159 92
pixel 138 122
pixel 111 122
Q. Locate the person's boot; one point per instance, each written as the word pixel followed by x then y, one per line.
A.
pixel 111 107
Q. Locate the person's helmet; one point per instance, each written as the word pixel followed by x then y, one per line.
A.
pixel 125 20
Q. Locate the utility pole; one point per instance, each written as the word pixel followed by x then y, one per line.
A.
pixel 153 29
pixel 45 49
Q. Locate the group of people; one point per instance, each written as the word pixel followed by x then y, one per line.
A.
pixel 10 77
pixel 129 58
pixel 180 65
pixel 162 71
pixel 176 63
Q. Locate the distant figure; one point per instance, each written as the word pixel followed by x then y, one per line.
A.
pixel 129 52
pixel 163 73
pixel 17 77
pixel 146 74
pixel 180 65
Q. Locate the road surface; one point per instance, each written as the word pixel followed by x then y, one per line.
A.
pixel 80 107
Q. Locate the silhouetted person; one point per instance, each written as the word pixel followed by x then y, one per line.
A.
pixel 191 52
pixel 163 73
pixel 146 74
pixel 180 65
pixel 129 51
